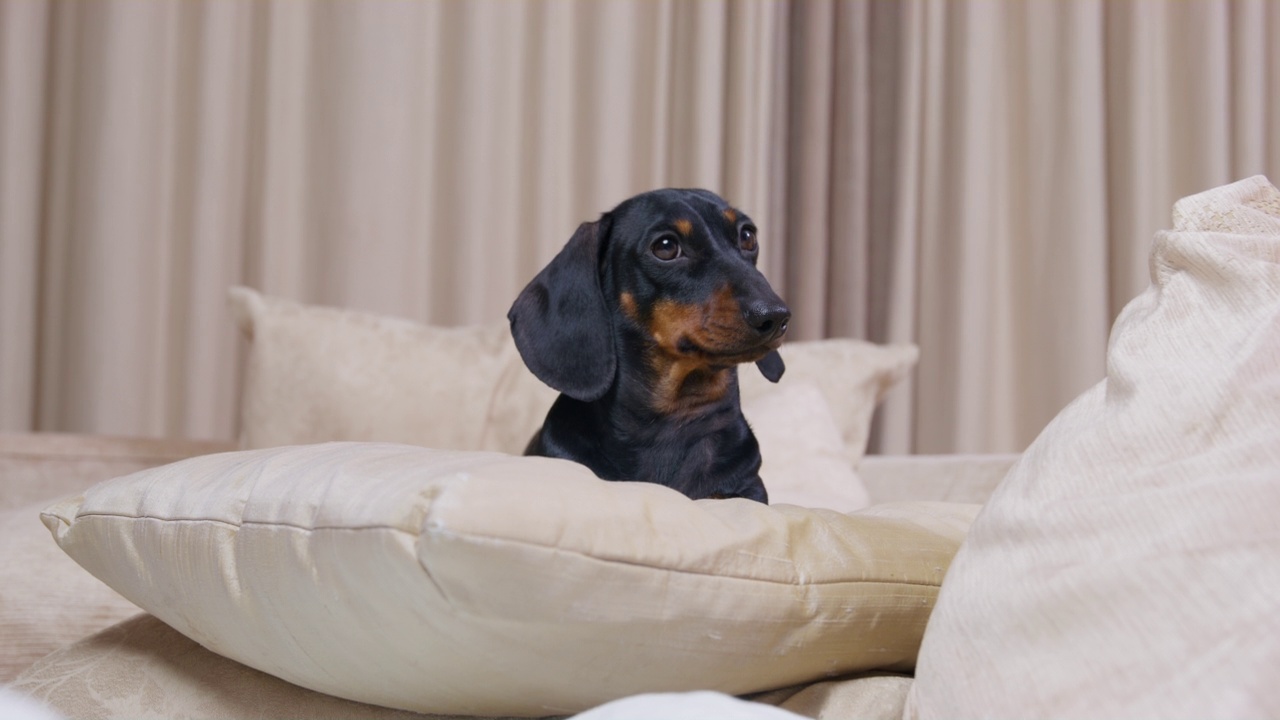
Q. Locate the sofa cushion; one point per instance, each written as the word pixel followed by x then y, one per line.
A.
pixel 316 374
pixel 480 583
pixel 803 457
pixel 1129 564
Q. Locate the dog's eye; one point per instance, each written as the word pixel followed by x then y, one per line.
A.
pixel 665 248
pixel 747 238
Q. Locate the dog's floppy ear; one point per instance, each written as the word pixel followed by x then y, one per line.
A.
pixel 771 366
pixel 561 324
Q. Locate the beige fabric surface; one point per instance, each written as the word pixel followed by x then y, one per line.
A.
pixel 1129 565
pixel 16 706
pixel 46 600
pixel 142 669
pixel 870 697
pixel 45 466
pixel 947 478
pixel 803 457
pixel 317 374
pixel 853 376
pixel 487 584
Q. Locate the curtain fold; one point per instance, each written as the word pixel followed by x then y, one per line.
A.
pixel 24 29
pixel 979 178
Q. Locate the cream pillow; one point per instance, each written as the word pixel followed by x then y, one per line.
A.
pixel 852 375
pixel 803 455
pixel 1129 566
pixel 316 374
pixel 485 584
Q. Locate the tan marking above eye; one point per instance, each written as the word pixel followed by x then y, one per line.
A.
pixel 684 227
pixel 730 215
pixel 627 302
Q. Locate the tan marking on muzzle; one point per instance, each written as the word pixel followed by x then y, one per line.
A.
pixel 686 378
pixel 716 325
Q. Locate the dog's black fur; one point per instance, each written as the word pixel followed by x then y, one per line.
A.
pixel 640 322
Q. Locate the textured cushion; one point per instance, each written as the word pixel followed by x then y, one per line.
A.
pixel 853 376
pixel 317 374
pixel 486 584
pixel 804 460
pixel 1130 563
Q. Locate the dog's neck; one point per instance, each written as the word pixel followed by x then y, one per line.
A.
pixel 630 432
pixel 652 382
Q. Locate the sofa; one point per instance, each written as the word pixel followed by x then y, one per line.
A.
pixel 372 546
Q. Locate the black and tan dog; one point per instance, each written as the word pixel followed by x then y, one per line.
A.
pixel 640 322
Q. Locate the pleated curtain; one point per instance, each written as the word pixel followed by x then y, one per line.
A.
pixel 981 178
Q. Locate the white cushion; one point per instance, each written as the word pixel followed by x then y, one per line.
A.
pixel 701 705
pixel 853 376
pixel 803 456
pixel 487 584
pixel 1129 566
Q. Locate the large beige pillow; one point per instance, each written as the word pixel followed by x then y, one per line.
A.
pixel 479 583
pixel 317 374
pixel 1129 566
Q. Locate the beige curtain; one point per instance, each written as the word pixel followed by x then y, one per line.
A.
pixel 984 178
pixel 981 178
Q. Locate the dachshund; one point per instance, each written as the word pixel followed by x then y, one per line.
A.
pixel 640 322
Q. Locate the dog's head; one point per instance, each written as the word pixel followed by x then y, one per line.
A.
pixel 674 268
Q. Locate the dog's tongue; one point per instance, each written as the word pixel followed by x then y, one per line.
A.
pixel 771 366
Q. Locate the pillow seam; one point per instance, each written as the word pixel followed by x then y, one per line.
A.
pixel 471 537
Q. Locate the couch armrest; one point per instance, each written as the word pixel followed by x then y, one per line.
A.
pixel 950 478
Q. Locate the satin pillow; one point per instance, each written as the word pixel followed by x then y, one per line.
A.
pixel 485 584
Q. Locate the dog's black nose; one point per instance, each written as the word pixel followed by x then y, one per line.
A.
pixel 768 319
